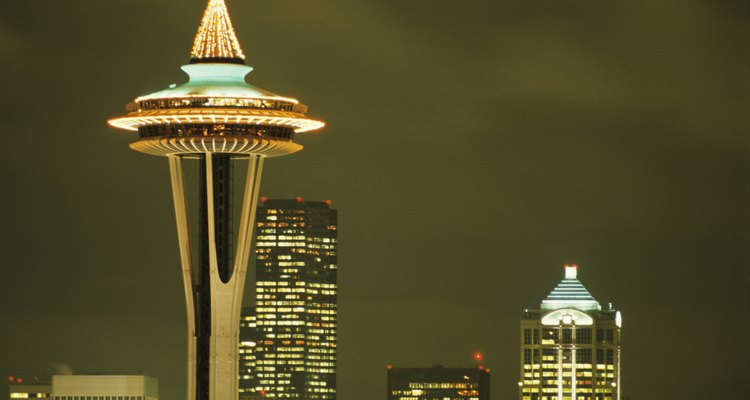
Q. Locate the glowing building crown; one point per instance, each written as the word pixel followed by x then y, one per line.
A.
pixel 570 293
pixel 216 40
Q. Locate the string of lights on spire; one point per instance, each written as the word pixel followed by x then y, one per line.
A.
pixel 216 38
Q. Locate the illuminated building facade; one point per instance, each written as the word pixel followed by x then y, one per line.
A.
pixel 570 347
pixel 104 387
pixel 16 391
pixel 217 120
pixel 20 387
pixel 248 338
pixel 438 383
pixel 295 315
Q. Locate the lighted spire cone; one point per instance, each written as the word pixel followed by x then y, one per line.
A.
pixel 216 40
pixel 217 118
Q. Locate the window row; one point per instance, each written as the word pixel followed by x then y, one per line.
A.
pixel 191 130
pixel 98 397
pixel 582 356
pixel 215 102
pixel 567 336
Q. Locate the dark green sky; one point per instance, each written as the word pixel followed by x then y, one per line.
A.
pixel 473 148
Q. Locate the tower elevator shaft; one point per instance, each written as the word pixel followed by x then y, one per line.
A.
pixel 221 174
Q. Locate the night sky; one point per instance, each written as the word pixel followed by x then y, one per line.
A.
pixel 472 148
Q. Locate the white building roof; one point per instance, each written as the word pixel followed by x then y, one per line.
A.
pixel 570 293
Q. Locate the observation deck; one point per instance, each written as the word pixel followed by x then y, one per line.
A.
pixel 216 111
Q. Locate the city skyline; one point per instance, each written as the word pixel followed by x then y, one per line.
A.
pixel 473 149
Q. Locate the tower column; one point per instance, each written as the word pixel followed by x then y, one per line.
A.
pixel 573 378
pixel 224 301
pixel 226 297
pixel 559 362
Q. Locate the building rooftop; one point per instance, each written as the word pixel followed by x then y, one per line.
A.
pixel 570 293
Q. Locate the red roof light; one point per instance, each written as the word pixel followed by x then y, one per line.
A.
pixel 299 199
pixel 264 199
pixel 478 356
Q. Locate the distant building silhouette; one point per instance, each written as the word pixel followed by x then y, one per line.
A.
pixel 104 387
pixel 438 383
pixel 288 342
pixel 28 387
pixel 570 347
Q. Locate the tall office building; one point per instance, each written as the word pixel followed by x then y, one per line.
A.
pixel 104 387
pixel 438 383
pixel 570 346
pixel 218 120
pixel 289 341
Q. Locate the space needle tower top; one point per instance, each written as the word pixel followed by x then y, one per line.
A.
pixel 216 110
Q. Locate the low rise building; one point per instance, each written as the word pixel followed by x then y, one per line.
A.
pixel 104 387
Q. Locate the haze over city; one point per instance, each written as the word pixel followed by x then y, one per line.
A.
pixel 471 150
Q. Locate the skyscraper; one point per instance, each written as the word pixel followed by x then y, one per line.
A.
pixel 217 119
pixel 438 383
pixel 292 333
pixel 570 347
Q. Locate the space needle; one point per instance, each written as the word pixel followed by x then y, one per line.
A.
pixel 217 120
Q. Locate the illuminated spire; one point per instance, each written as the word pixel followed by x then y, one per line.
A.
pixel 216 41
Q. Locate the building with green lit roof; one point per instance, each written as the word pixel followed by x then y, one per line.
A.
pixel 570 346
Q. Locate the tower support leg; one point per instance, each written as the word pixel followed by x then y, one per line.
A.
pixel 183 237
